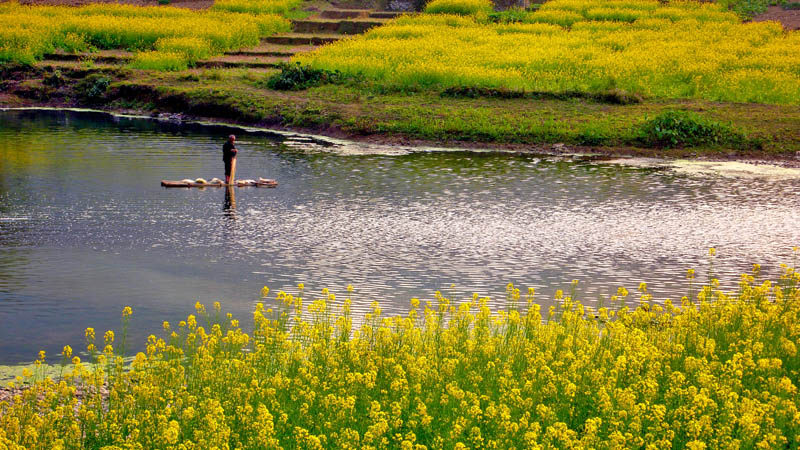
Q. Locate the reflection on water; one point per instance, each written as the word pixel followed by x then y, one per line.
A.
pixel 229 207
pixel 86 228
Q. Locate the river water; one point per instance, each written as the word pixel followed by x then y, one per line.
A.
pixel 86 229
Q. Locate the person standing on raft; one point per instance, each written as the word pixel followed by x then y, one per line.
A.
pixel 229 152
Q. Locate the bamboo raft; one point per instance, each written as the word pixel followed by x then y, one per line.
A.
pixel 216 182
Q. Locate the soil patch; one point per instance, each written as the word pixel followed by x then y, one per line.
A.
pixel 789 18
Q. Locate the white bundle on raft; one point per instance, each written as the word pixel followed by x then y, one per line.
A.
pixel 216 182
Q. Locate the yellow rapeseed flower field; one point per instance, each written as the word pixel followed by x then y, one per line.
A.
pixel 714 371
pixel 29 32
pixel 656 49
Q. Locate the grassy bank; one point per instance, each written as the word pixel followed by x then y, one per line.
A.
pixel 363 110
pixel 711 370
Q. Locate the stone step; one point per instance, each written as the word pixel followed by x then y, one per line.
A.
pixel 242 61
pixel 387 14
pixel 75 65
pixel 345 13
pixel 102 56
pixel 302 39
pixel 272 50
pixel 335 26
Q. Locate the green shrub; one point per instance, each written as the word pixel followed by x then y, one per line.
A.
pixel 295 77
pixel 747 9
pixel 92 88
pixel 675 128
pixel 460 7
pixel 512 15
pixel 156 60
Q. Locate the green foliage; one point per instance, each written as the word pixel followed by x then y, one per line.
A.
pixel 460 7
pixel 747 9
pixel 296 77
pixel 511 15
pixel 675 128
pixel 55 79
pixel 93 88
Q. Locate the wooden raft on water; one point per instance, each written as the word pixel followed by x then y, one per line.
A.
pixel 216 182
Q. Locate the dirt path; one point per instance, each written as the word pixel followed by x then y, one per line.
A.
pixel 789 18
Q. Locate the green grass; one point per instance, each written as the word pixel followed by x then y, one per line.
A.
pixel 362 109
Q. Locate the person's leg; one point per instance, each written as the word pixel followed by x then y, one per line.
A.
pixel 228 171
pixel 233 170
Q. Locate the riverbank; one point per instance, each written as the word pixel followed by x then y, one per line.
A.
pixel 361 111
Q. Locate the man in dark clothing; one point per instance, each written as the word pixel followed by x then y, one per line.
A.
pixel 229 152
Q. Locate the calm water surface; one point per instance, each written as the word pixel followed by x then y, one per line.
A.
pixel 85 228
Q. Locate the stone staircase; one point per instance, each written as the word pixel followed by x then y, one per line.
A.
pixel 328 26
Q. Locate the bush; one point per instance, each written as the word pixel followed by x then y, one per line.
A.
pixel 156 60
pixel 92 88
pixel 686 129
pixel 460 7
pixel 295 77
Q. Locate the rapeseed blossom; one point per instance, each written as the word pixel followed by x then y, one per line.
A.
pixel 29 32
pixel 714 370
pixel 668 49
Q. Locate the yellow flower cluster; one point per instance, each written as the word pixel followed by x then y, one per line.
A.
pixel 715 371
pixel 256 6
pixel 656 49
pixel 464 7
pixel 28 32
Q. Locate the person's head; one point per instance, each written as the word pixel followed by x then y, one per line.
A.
pixel 231 138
